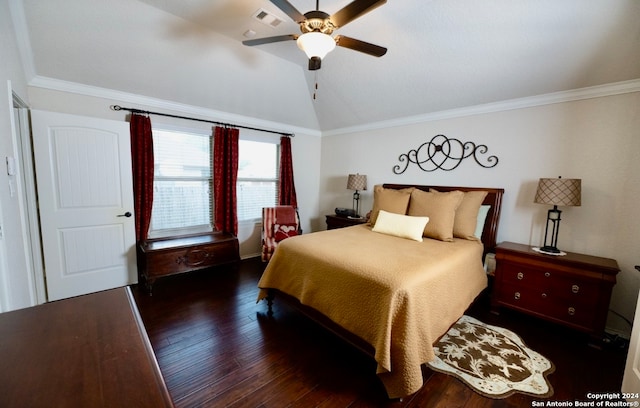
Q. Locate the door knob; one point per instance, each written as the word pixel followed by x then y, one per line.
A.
pixel 127 214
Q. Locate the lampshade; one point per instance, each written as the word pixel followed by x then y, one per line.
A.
pixel 357 182
pixel 316 44
pixel 559 191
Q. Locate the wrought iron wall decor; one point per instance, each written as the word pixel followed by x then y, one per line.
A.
pixel 445 154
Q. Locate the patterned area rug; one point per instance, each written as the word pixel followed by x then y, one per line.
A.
pixel 493 361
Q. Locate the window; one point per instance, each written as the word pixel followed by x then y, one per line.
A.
pixel 257 185
pixel 183 194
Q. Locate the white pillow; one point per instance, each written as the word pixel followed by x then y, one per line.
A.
pixel 403 226
pixel 482 216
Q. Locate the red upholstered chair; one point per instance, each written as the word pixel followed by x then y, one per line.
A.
pixel 278 223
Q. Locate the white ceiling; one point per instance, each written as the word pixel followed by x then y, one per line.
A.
pixel 443 54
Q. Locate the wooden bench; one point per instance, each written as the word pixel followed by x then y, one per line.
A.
pixel 169 256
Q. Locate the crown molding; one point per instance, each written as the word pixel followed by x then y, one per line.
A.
pixel 598 91
pixel 148 102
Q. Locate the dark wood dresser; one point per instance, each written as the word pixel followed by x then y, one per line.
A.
pixel 573 290
pixel 87 351
pixel 170 256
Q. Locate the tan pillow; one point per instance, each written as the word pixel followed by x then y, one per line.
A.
pixel 466 220
pixel 402 226
pixel 390 200
pixel 441 210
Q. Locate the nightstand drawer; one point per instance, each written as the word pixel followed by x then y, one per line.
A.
pixel 576 314
pixel 579 311
pixel 523 275
pixel 524 297
pixel 575 290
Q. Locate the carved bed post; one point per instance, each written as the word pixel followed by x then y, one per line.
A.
pixel 270 297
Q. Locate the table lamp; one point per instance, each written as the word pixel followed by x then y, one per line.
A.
pixel 356 182
pixel 556 192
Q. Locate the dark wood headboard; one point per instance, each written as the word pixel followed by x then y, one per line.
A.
pixel 493 198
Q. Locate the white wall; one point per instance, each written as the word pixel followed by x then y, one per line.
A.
pixel 596 140
pixel 16 287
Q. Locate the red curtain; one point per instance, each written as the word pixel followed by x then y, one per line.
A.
pixel 142 164
pixel 287 188
pixel 225 175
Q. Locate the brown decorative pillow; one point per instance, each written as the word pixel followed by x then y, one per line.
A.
pixel 466 220
pixel 441 210
pixel 390 200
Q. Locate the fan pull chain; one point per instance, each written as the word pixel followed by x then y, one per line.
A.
pixel 315 90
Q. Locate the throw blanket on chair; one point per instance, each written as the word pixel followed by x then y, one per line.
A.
pixel 278 223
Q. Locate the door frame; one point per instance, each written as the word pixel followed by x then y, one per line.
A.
pixel 631 377
pixel 28 198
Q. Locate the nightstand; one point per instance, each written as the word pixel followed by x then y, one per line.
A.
pixel 333 221
pixel 573 290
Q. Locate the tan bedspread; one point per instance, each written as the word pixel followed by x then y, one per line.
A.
pixel 398 295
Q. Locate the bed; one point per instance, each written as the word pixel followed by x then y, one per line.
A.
pixel 388 290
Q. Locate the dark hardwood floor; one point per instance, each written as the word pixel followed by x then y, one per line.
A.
pixel 216 347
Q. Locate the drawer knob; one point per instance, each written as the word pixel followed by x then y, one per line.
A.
pixel 575 289
pixel 516 295
pixel 547 274
pixel 571 311
pixel 520 276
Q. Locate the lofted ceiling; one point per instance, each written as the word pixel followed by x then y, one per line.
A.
pixel 442 54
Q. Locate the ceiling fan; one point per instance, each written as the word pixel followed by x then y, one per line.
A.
pixel 317 26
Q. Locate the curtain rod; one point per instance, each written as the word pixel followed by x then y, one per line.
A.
pixel 133 110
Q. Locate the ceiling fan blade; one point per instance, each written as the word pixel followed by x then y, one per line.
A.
pixel 267 40
pixel 354 10
pixel 357 45
pixel 289 10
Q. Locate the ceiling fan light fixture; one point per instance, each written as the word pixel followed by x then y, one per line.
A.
pixel 317 26
pixel 316 44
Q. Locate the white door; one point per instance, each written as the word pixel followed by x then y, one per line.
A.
pixel 631 379
pixel 83 173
